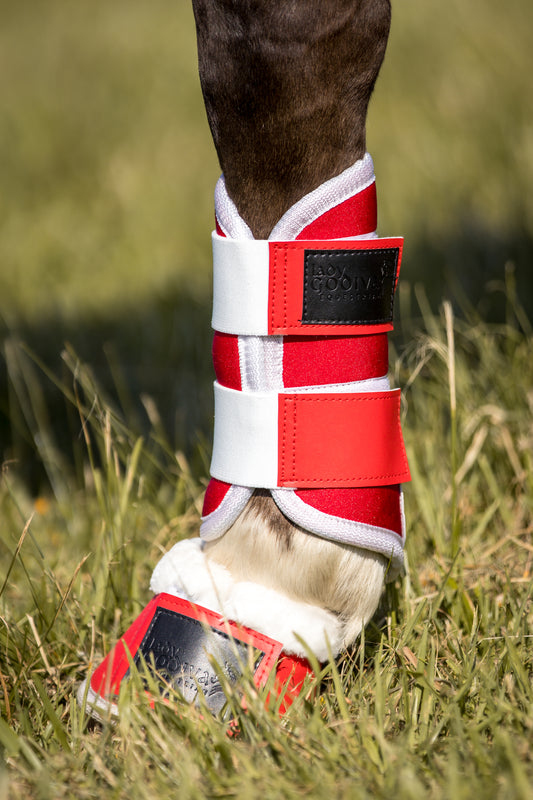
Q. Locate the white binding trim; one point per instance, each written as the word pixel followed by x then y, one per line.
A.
pixel 224 515
pixel 246 442
pixel 96 706
pixel 325 197
pixel 186 572
pixel 347 531
pixel 229 219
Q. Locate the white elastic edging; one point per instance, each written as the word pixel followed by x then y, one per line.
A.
pixel 325 197
pixel 354 179
pixel 224 515
pixel 245 441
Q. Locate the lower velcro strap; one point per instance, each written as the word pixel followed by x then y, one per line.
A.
pixel 341 440
pixel 308 439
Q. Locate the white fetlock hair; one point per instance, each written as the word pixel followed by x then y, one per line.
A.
pixel 306 592
pixel 265 547
pixel 185 571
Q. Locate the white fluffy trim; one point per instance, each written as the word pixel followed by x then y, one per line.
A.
pixel 186 572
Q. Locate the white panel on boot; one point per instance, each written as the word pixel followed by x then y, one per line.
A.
pixel 245 442
pixel 240 286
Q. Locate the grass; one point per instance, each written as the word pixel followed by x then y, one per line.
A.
pixel 107 171
pixel 436 699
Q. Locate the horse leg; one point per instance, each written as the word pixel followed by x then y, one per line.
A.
pixel 302 520
pixel 286 89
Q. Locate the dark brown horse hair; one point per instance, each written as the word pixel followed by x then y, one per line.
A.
pixel 286 88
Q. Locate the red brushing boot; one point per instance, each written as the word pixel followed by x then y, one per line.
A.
pixel 303 411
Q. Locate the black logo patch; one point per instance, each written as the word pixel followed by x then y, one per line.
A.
pixel 349 287
pixel 177 647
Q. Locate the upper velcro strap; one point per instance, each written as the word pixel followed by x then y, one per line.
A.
pixel 327 287
pixel 308 439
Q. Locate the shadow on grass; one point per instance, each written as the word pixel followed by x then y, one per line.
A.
pixel 477 269
pixel 152 365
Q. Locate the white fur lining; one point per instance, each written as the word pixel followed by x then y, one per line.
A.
pixel 186 572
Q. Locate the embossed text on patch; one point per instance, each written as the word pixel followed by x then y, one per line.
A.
pixel 178 649
pixel 349 287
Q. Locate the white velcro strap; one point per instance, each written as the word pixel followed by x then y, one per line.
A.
pixel 245 442
pixel 330 288
pixel 240 286
pixel 339 437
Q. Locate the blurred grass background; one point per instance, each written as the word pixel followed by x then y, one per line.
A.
pixel 107 172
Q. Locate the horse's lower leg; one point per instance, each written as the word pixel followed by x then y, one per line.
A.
pixel 286 89
pixel 295 546
pixel 263 546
